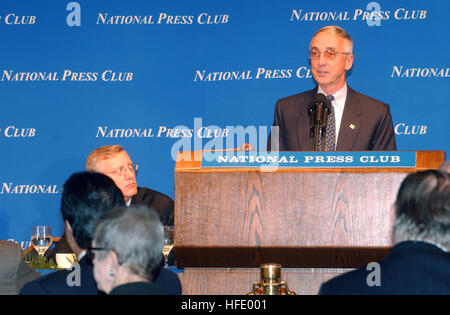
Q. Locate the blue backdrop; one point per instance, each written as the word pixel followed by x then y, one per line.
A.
pixel 158 76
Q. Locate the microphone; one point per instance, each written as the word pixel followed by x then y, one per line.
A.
pixel 318 117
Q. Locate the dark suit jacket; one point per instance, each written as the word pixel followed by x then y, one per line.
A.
pixel 162 204
pixel 371 119
pixel 410 268
pixel 56 283
pixel 14 272
pixel 137 288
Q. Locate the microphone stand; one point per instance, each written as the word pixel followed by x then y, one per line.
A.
pixel 318 114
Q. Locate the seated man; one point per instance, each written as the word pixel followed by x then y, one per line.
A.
pixel 113 161
pixel 85 197
pixel 419 263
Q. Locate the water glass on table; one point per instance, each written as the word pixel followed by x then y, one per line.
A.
pixel 41 238
pixel 168 243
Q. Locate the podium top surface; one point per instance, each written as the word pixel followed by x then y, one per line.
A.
pixel 192 162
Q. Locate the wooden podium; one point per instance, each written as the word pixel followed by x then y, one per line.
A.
pixel 316 223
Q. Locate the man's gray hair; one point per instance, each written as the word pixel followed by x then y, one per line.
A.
pixel 340 32
pixel 422 208
pixel 135 234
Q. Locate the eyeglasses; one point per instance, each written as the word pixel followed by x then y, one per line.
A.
pixel 90 251
pixel 329 54
pixel 133 167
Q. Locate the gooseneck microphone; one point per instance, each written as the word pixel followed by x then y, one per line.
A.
pixel 318 117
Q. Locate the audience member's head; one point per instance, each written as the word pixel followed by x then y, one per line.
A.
pixel 445 167
pixel 127 247
pixel 113 161
pixel 419 262
pixel 85 197
pixel 422 208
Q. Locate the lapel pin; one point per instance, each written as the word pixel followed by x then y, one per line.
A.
pixel 352 126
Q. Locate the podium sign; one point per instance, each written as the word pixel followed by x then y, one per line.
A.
pixel 275 160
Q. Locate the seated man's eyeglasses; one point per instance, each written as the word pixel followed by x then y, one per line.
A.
pixel 121 170
pixel 329 54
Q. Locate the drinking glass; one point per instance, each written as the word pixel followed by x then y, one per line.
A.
pixel 41 238
pixel 168 243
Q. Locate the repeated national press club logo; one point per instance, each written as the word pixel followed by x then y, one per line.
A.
pixel 13 188
pixel 374 14
pixel 17 132
pixel 145 18
pixel 405 129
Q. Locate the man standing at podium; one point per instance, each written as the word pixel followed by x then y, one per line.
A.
pixel 356 122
